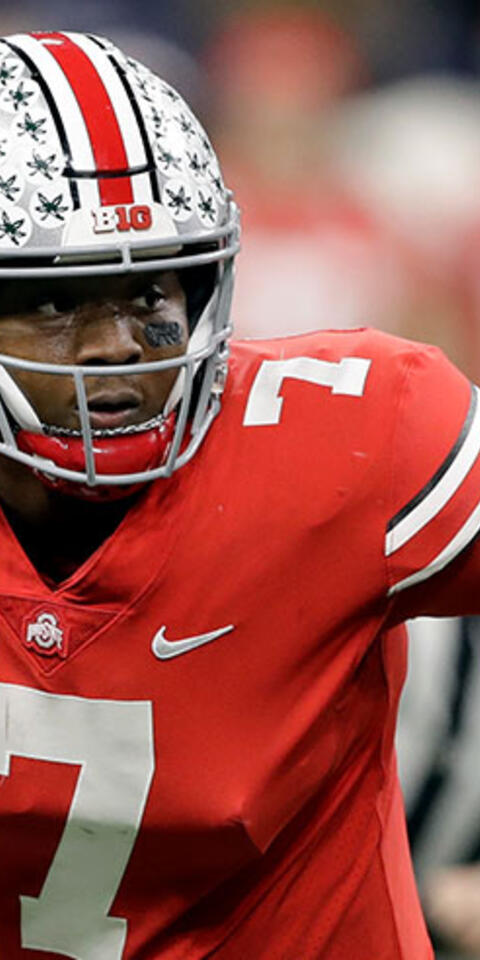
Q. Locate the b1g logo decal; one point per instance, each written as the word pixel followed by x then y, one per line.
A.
pixel 121 219
pixel 46 636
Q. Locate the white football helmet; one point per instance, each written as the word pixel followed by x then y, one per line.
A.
pixel 105 170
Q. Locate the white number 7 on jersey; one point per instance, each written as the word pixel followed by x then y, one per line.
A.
pixel 112 743
pixel 347 377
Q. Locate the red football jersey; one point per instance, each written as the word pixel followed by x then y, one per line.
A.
pixel 196 728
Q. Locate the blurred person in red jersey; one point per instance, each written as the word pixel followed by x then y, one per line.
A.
pixel 468 277
pixel 281 77
pixel 410 153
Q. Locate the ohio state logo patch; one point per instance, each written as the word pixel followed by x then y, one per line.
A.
pixel 45 635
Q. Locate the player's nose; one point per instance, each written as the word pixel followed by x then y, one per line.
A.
pixel 108 337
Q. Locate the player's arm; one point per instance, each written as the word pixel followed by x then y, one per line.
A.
pixel 431 547
pixel 453 592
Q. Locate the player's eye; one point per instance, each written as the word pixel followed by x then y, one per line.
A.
pixel 151 299
pixel 48 309
pixel 54 308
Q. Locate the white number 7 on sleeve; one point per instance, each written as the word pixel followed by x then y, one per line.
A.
pixel 111 741
pixel 347 377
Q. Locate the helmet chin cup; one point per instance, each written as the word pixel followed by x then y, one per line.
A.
pixel 128 454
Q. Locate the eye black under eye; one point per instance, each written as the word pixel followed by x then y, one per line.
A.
pixel 165 334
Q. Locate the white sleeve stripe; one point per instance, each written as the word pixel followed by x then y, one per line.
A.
pixel 461 540
pixel 441 493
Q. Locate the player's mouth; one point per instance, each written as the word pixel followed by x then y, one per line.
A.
pixel 110 411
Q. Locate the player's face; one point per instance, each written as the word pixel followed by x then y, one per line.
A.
pixel 83 321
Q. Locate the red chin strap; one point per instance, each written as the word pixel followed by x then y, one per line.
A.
pixel 132 453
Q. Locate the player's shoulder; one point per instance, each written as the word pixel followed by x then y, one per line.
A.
pixel 316 379
pixel 334 345
pixel 390 358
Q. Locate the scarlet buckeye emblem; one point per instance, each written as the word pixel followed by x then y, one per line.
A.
pixel 121 219
pixel 46 636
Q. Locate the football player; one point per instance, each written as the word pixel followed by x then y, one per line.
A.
pixel 200 660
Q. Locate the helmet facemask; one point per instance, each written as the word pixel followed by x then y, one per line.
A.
pixel 187 223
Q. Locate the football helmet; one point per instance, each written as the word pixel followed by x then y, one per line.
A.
pixel 105 170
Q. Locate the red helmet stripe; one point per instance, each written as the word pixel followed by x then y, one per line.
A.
pixel 99 115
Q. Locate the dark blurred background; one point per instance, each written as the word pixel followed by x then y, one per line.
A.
pixel 398 37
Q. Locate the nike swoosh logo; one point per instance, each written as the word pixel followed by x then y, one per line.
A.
pixel 166 649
